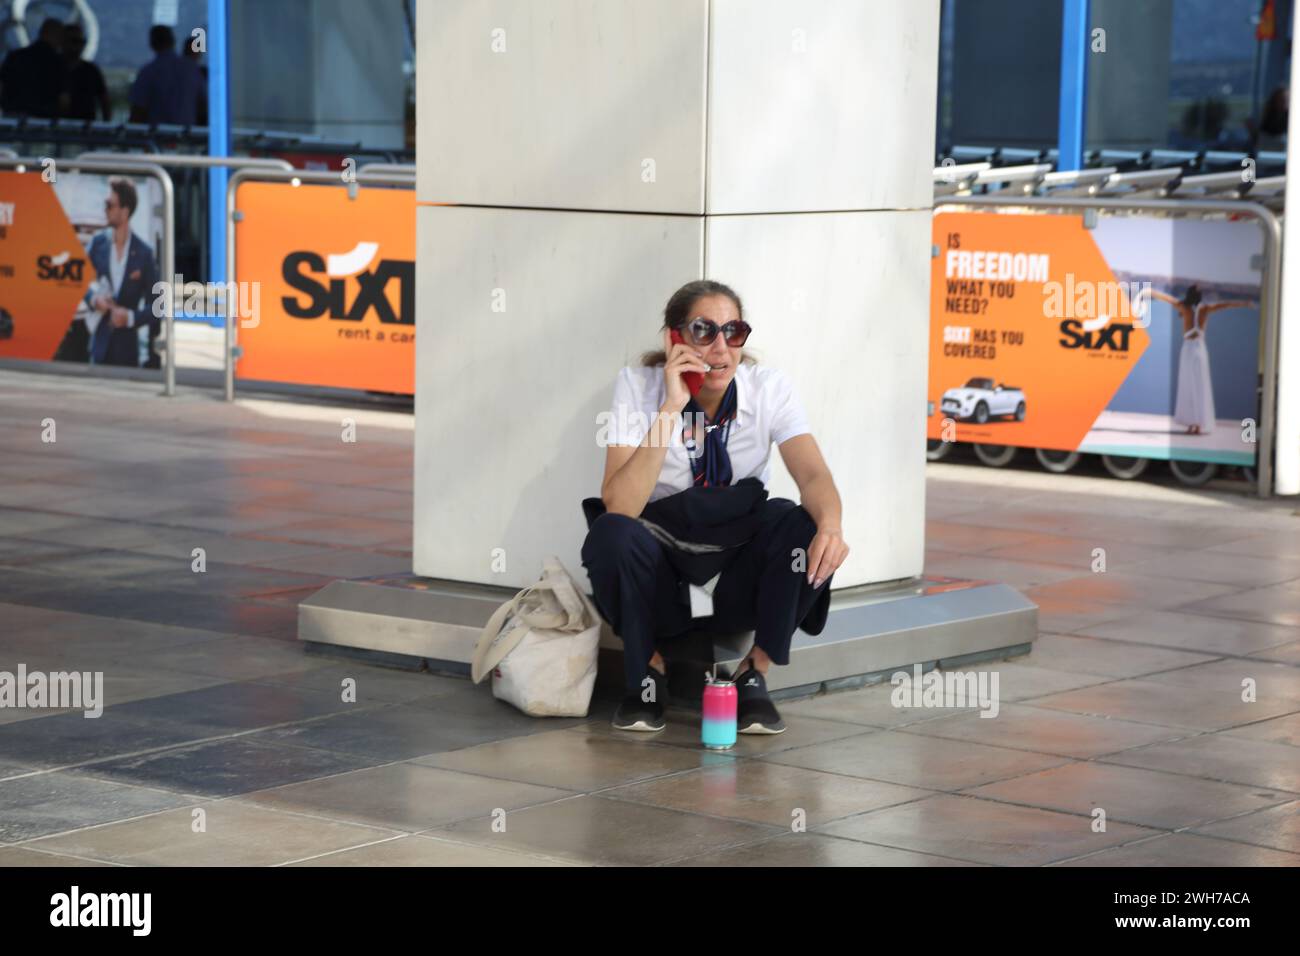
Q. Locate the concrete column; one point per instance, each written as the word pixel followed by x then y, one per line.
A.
pixel 581 159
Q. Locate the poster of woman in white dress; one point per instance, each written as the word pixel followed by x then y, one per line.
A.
pixel 1196 385
pixel 1194 398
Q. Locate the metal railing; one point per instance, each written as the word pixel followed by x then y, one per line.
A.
pixel 188 161
pixel 366 176
pixel 1270 286
pixel 388 169
pixel 166 255
pixel 960 180
pixel 1078 182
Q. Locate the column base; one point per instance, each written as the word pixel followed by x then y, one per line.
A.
pixel 872 631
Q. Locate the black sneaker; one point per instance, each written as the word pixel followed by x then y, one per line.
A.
pixel 755 712
pixel 634 713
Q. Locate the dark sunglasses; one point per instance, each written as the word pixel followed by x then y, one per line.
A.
pixel 702 332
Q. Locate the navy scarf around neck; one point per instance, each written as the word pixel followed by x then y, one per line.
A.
pixel 712 468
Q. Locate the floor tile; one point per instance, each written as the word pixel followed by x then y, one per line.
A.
pixel 1131 795
pixel 227 767
pixel 1189 632
pixel 816 849
pixel 1108 658
pixel 1019 574
pixel 1018 680
pixel 764 792
pixel 1277 827
pixel 969 539
pixel 234 706
pixel 406 796
pixel 574 761
pixel 403 731
pixel 872 707
pixel 1278 605
pixel 1241 570
pixel 1255 763
pixel 1024 727
pixel 17 856
pixel 1283 654
pixel 1278 730
pixel 41 804
pixel 71 738
pixel 1166 705
pixel 982 831
pixel 231 834
pixel 1233 676
pixel 1187 849
pixel 1130 589
pixel 1066 615
pixel 239 658
pixel 916 761
pixel 425 850
pixel 597 830
pixel 369 684
pixel 1280 543
pixel 1076 553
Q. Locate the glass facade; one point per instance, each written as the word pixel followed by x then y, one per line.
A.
pixel 1176 74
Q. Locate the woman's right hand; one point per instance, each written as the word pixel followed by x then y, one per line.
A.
pixel 681 358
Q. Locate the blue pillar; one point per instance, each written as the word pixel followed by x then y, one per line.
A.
pixel 218 133
pixel 1074 83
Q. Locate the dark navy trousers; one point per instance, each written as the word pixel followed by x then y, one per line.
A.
pixel 639 593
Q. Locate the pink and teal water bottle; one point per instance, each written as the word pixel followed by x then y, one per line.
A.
pixel 718 729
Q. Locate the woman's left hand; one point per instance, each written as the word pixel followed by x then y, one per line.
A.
pixel 826 553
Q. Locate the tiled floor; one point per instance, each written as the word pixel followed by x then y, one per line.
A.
pixel 1156 721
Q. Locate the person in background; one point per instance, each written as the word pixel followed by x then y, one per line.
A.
pixel 168 87
pixel 1273 123
pixel 126 271
pixel 31 79
pixel 84 87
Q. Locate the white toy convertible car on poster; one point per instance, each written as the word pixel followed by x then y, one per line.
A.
pixel 981 399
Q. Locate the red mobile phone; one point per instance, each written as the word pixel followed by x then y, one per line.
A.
pixel 694 380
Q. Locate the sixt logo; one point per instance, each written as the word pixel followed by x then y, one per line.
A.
pixel 60 268
pixel 1095 336
pixel 370 286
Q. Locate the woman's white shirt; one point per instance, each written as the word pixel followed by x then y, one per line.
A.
pixel 767 411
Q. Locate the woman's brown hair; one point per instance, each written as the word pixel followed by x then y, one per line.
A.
pixel 677 313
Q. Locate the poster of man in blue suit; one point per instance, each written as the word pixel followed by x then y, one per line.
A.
pixel 120 299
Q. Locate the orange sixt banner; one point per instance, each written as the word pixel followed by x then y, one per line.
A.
pixel 43 272
pixel 1022 352
pixel 1132 336
pixel 78 268
pixel 326 285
